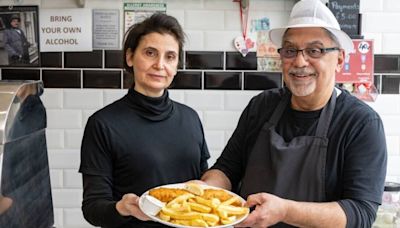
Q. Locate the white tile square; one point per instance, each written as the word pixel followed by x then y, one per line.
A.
pixel 72 178
pixel 200 100
pixel 55 138
pixel 221 120
pixel 73 218
pixel 215 139
pixel 73 138
pixel 52 98
pixel 204 19
pixel 65 118
pixel 112 95
pixel 83 99
pixel 56 178
pixel 67 198
pixel 64 159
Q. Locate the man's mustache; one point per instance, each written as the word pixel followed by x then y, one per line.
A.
pixel 301 71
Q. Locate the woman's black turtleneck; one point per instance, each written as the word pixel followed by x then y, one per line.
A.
pixel 135 144
pixel 151 108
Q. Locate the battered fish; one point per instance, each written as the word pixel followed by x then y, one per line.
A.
pixel 166 194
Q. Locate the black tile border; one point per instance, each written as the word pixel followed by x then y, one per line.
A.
pixel 106 79
pixel 193 71
pixel 262 80
pixel 387 63
pixel 213 60
pixel 235 61
pixel 187 80
pixel 223 80
pixel 127 80
pixel 390 84
pixel 20 74
pixel 93 59
pixel 61 78
pixel 51 59
pixel 113 59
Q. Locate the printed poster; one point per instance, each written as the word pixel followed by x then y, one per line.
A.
pixel 106 28
pixel 135 12
pixel 268 58
pixel 359 65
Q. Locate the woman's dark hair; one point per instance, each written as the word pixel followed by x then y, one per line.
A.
pixel 158 22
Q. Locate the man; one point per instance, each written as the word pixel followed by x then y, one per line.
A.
pixel 309 154
pixel 16 43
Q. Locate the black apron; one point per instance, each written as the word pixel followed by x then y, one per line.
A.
pixel 292 170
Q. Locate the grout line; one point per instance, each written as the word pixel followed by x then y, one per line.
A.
pixel 122 79
pixel 81 78
pixel 103 58
pixel 224 61
pixel 184 60
pixel 242 81
pixel 202 81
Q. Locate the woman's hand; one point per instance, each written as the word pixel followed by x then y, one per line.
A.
pixel 129 206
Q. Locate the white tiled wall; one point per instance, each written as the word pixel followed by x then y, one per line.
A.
pixel 210 25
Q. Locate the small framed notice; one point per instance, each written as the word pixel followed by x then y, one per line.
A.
pixel 106 29
pixel 135 12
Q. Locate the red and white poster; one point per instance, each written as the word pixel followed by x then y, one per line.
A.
pixel 359 65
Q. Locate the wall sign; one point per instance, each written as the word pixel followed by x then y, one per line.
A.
pixel 359 65
pixel 65 30
pixel 106 29
pixel 347 12
pixel 135 12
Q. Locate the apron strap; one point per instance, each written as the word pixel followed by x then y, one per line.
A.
pixel 326 116
pixel 276 116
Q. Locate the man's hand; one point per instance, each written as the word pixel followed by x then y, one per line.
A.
pixel 129 206
pixel 5 204
pixel 216 178
pixel 269 210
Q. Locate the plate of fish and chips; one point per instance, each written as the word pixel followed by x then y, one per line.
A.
pixel 193 205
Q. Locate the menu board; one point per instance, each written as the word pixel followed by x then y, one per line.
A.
pixel 347 12
pixel 359 65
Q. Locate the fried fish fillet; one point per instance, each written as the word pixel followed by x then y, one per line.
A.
pixel 166 194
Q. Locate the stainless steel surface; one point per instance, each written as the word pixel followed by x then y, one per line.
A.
pixel 25 191
pixel 12 94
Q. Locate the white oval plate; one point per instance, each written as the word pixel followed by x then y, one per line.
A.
pixel 181 186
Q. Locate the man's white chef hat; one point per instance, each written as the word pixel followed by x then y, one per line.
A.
pixel 312 13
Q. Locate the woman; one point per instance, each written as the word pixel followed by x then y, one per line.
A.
pixel 145 139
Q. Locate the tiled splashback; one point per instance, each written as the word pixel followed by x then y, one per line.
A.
pixel 198 70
